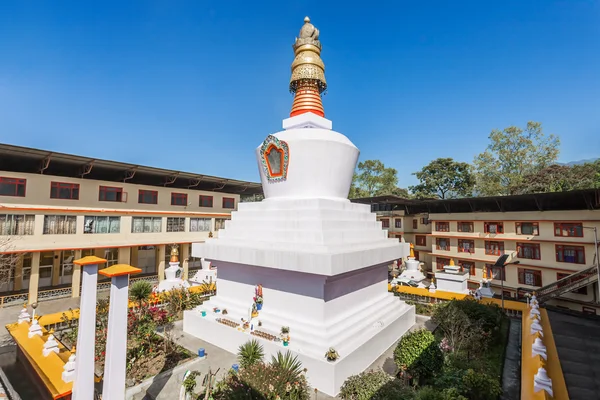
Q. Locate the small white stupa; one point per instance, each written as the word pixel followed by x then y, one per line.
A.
pixel 413 270
pixel 24 315
pixel 484 286
pixel 171 280
pixel 69 369
pixel 51 345
pixel 35 329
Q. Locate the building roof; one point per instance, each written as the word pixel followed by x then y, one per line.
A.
pixel 28 160
pixel 588 199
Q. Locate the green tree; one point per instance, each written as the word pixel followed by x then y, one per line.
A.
pixel 562 178
pixel 444 178
pixel 512 154
pixel 373 178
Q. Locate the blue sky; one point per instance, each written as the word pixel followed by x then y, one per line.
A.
pixel 197 85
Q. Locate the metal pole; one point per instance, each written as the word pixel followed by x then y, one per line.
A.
pixel 502 285
pixel 597 261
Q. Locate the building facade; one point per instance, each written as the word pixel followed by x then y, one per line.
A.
pixel 56 208
pixel 550 235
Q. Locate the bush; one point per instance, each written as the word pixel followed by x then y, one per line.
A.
pixel 287 366
pixel 375 384
pixel 179 299
pixel 140 292
pixel 418 355
pixel 261 381
pixel 250 353
pixel 480 386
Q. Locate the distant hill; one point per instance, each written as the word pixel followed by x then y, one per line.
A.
pixel 589 160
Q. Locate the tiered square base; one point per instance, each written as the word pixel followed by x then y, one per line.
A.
pixel 325 376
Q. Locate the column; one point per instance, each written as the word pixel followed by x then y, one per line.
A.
pixel 185 256
pixel 18 276
pixel 34 277
pixel 76 277
pixel 133 259
pixel 83 386
pixel 124 255
pixel 162 253
pixel 56 268
pixel 116 347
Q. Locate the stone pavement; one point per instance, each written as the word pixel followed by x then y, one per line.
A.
pixel 167 387
pixel 576 338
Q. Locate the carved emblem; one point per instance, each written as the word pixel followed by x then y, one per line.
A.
pixel 275 158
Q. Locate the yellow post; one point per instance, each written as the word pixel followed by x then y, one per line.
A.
pixel 162 253
pixel 34 277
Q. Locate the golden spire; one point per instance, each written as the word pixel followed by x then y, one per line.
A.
pixel 412 250
pixel 174 254
pixel 451 264
pixel 308 72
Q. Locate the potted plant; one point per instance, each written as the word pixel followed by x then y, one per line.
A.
pixel 332 355
pixel 285 335
pixel 259 323
pixel 224 312
pixel 259 303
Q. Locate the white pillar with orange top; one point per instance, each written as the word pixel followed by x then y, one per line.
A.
pixel 116 340
pixel 83 386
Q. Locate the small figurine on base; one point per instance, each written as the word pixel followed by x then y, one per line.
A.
pixel 332 355
pixel 254 311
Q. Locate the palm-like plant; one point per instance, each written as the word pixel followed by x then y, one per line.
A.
pixel 250 353
pixel 140 292
pixel 288 365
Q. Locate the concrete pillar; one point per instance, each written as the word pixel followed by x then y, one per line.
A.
pixel 185 257
pixel 162 253
pixel 83 386
pixel 134 256
pixel 18 276
pixel 76 277
pixel 56 268
pixel 116 348
pixel 125 255
pixel 34 277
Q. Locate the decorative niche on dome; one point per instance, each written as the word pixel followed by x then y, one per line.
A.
pixel 275 157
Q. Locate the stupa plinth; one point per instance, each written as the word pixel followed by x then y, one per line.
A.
pixel 412 271
pixel 317 262
pixel 452 279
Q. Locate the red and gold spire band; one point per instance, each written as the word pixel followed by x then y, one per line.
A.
pixel 307 99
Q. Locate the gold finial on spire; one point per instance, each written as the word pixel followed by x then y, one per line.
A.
pixel 412 250
pixel 308 72
pixel 451 262
pixel 174 253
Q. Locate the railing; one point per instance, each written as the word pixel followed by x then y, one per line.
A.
pixel 567 284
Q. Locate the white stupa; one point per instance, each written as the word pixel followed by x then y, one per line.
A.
pixel 305 258
pixel 171 280
pixel 412 271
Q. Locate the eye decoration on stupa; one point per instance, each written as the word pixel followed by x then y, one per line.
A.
pixel 275 157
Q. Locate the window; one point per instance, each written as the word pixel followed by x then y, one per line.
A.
pixel 220 223
pixel 385 223
pixel 66 262
pixel 179 199
pixel 148 197
pixel 442 226
pixel 465 227
pixel 12 187
pixel 493 227
pixel 146 225
pixel 229 202
pixel 494 248
pixel 97 224
pixel 398 223
pixel 199 224
pixel 421 240
pixel 528 250
pixel 467 266
pixel 424 220
pixel 111 256
pixel 560 276
pixel 108 193
pixel 415 224
pixel 12 224
pixel 440 262
pixel 466 246
pixel 570 254
pixel 442 244
pixel 67 191
pixel 588 310
pixel 571 230
pixel 530 277
pixel 60 224
pixel 527 228
pixel 495 273
pixel 175 224
pixel 206 201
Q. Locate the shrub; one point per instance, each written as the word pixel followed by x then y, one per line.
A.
pixel 374 384
pixel 287 365
pixel 261 381
pixel 480 386
pixel 419 355
pixel 140 292
pixel 250 353
pixel 179 299
pixel 430 393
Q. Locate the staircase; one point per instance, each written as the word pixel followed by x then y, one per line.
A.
pixel 567 284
